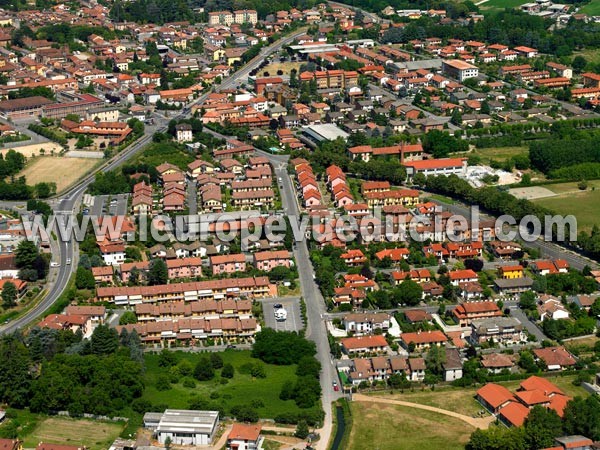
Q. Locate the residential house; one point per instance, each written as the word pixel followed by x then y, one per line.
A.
pixel 555 358
pixel 502 330
pixel 423 339
pixel 245 437
pixel 226 264
pixel 364 344
pixel 466 312
pixel 366 323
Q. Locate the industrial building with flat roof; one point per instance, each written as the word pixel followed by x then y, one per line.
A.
pixel 183 427
pixel 313 135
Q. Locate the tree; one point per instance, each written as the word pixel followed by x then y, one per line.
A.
pixel 436 357
pixel 204 370
pixel 456 118
pixel 84 278
pixel 9 295
pixel 474 264
pixel 216 360
pixel 408 293
pixel 301 430
pixel 158 272
pixel 281 347
pixel 227 371
pixel 104 340
pixel 26 254
pixel 527 300
pixel 419 179
pixel 166 358
pixel 541 426
pixel 128 317
pixel 579 63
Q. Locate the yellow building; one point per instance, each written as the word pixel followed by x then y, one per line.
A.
pixel 510 272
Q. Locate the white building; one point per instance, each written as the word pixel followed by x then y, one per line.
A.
pixel 460 70
pixel 244 437
pixel 442 166
pixel 184 427
pixel 184 132
pixel 366 323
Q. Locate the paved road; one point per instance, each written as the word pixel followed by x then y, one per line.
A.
pixel 69 202
pixel 315 304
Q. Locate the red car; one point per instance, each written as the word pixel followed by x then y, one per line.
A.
pixel 335 386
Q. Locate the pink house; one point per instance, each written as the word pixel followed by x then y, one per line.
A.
pixel 103 274
pixel 270 259
pixel 184 267
pixel 126 268
pixel 228 263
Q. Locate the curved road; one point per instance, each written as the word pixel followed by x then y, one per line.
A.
pixel 69 201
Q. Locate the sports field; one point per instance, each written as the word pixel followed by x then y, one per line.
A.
pixel 569 199
pixel 94 435
pixel 63 171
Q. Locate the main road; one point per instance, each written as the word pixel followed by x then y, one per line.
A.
pixel 68 203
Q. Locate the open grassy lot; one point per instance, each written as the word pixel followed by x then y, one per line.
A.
pixel 590 54
pixel 498 5
pixel 571 200
pixel 242 389
pixel 496 153
pixel 390 427
pixel 591 9
pixel 58 430
pixel 63 171
pixel 285 67
pixel 460 400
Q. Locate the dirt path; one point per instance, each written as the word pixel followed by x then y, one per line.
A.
pixel 483 422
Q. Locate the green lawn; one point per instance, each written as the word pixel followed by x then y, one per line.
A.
pixel 441 198
pixel 571 200
pixel 590 54
pixel 498 5
pixel 241 390
pixel 460 400
pixel 591 9
pixel 390 427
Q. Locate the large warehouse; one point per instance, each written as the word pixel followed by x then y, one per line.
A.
pixel 183 427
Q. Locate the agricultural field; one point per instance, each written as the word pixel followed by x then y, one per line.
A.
pixel 63 171
pixel 392 427
pixel 94 435
pixel 569 199
pixel 242 389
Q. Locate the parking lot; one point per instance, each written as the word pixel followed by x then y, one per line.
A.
pixel 115 205
pixel 291 305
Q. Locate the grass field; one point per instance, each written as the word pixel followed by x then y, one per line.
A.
pixel 63 171
pixel 462 400
pixel 591 9
pixel 263 393
pixel 496 153
pixel 285 67
pixel 57 430
pixel 499 5
pixel 571 200
pixel 390 427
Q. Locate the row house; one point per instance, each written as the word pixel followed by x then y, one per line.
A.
pixel 466 312
pixel 364 344
pixel 422 340
pixel 227 264
pixel 417 275
pixel 353 258
pixel 192 330
pixel 264 199
pixel 401 197
pixel 548 267
pixel 380 368
pixel 268 260
pixel 199 308
pixel 340 191
pixel 249 287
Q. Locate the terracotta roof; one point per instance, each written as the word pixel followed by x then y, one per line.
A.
pixel 428 337
pixel 515 413
pixel 353 343
pixel 555 356
pixel 244 432
pixel 495 395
